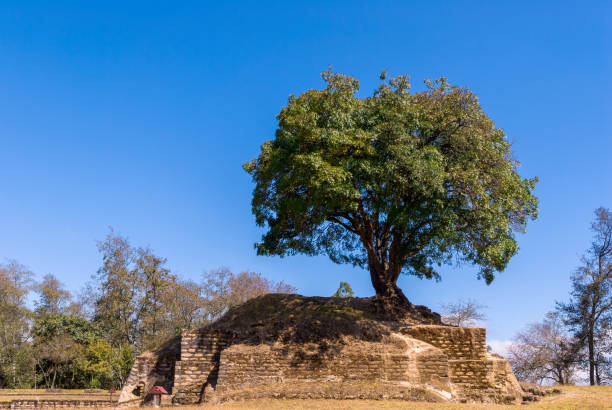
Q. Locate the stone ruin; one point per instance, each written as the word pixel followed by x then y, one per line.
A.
pixel 290 346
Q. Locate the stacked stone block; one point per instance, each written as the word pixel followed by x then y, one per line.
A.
pixel 40 404
pixel 448 361
pixel 252 365
pixel 198 366
pixel 151 369
pixel 474 374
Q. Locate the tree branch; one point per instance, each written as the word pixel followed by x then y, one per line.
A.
pixel 349 228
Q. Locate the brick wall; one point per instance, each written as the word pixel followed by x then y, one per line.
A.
pixel 198 365
pixel 251 365
pixel 413 362
pixel 151 369
pixel 32 404
pixel 459 343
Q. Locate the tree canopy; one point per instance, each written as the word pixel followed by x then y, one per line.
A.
pixel 133 303
pixel 397 182
pixel 344 291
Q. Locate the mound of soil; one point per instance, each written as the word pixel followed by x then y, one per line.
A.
pixel 286 318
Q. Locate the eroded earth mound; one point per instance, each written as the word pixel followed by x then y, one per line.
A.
pixel 291 346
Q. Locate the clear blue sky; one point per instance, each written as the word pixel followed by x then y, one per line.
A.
pixel 138 115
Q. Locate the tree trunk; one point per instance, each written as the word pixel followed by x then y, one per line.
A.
pixel 591 358
pixel 390 300
pixel 389 290
pixel 559 372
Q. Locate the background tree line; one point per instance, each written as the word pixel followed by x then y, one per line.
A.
pixel 576 338
pixel 134 302
pixel 52 338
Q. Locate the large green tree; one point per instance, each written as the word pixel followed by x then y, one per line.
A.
pixel 59 341
pixel 398 182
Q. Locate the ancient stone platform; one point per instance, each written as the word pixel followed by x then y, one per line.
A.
pixel 289 346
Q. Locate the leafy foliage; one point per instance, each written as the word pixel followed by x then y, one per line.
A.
pixel 136 303
pixel 130 295
pixel 56 358
pixel 16 367
pixel 77 329
pixel 52 297
pixel 59 341
pixel 398 182
pixel 344 291
pixel 104 365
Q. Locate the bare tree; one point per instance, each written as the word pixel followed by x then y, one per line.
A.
pixel 603 359
pixel 589 311
pixel 544 351
pixel 463 313
pixel 184 304
pixel 224 289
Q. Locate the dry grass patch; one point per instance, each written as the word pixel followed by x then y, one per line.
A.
pixel 572 397
pixel 6 395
